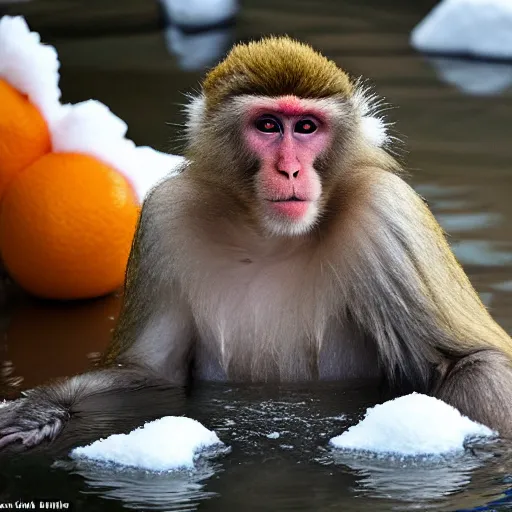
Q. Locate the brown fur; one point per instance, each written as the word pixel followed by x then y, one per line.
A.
pixel 378 264
pixel 373 290
pixel 275 67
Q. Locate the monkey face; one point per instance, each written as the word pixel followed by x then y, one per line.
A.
pixel 275 126
pixel 286 135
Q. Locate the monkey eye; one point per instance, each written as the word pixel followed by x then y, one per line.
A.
pixel 268 125
pixel 305 126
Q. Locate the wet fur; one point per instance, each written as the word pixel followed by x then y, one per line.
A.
pixel 373 290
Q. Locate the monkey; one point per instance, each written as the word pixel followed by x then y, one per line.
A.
pixel 289 247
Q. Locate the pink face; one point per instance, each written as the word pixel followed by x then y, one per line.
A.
pixel 287 134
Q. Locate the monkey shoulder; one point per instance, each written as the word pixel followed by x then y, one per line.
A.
pixel 166 207
pixel 173 217
pixel 165 197
pixel 179 195
pixel 389 188
pixel 397 204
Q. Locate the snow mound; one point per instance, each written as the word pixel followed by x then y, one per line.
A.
pixel 29 66
pixel 169 443
pixel 411 425
pixel 91 128
pixel 481 28
pixel 150 167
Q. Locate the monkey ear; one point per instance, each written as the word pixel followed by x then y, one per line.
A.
pixel 194 110
pixel 374 128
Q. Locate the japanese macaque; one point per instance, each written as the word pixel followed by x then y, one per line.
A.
pixel 289 248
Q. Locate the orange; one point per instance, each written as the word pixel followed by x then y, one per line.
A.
pixel 24 135
pixel 66 227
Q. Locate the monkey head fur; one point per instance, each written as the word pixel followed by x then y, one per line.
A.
pixel 286 170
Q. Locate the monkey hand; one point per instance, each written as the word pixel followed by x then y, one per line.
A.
pixel 30 421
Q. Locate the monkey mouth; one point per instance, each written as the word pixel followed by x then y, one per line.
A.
pixel 288 200
pixel 292 208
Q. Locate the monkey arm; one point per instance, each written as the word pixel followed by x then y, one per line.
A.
pixel 95 398
pixel 151 348
pixel 155 329
pixel 429 324
pixel 480 386
pixel 43 412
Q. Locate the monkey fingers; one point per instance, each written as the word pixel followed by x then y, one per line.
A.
pixel 29 422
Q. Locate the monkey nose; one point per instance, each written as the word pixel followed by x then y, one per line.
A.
pixel 288 174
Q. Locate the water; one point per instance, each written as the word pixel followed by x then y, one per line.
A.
pixel 459 155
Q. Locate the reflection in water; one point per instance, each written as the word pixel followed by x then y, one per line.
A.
pixel 66 337
pixel 413 480
pixel 458 217
pixel 482 252
pixel 177 490
pixel 436 191
pixel 474 77
pixel 458 222
pixel 199 32
pixel 505 286
pixel 199 13
pixel 196 51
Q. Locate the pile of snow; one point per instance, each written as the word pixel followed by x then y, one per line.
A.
pixel 481 28
pixel 165 444
pixel 88 127
pixel 4 403
pixel 29 66
pixel 411 425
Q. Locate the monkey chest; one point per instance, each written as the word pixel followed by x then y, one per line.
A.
pixel 274 325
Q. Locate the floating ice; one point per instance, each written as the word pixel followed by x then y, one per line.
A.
pixel 411 425
pixel 172 442
pixel 481 28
